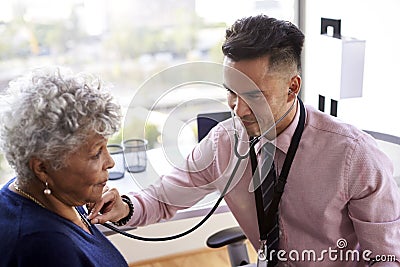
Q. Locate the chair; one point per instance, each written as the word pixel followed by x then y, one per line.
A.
pixel 206 121
pixel 234 238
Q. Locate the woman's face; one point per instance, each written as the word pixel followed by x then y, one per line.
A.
pixel 85 175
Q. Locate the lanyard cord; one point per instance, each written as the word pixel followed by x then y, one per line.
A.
pixel 265 222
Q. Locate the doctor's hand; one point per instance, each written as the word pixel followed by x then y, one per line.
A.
pixel 109 208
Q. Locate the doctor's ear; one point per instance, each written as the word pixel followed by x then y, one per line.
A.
pixel 294 86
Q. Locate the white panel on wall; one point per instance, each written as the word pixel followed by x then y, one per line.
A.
pixel 376 22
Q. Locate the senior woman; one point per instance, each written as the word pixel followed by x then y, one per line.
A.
pixel 55 135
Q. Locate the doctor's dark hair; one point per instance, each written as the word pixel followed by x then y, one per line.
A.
pixel 256 36
pixel 50 113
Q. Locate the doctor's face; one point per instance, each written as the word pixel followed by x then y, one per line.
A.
pixel 257 95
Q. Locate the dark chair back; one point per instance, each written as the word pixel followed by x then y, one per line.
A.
pixel 206 121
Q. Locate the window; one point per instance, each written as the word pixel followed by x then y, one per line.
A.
pixel 123 41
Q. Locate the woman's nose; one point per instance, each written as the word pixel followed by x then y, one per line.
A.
pixel 109 161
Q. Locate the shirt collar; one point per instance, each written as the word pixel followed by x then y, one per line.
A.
pixel 282 141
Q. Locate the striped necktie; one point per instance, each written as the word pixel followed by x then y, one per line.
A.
pixel 268 171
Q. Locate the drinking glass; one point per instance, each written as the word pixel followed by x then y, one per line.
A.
pixel 117 154
pixel 135 154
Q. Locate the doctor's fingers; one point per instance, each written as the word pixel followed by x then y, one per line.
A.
pixel 105 204
pixel 111 215
pixel 112 211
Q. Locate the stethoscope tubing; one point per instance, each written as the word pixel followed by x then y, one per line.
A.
pixel 240 157
pixel 172 237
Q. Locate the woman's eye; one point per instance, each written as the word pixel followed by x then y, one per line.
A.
pixel 98 154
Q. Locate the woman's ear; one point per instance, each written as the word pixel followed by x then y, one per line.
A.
pixel 38 167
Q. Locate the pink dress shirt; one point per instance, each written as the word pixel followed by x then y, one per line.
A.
pixel 340 204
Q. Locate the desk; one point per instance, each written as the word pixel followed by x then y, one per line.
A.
pixel 158 164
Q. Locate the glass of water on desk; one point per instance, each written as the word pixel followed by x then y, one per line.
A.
pixel 118 171
pixel 135 154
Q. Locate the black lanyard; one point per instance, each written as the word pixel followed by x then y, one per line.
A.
pixel 265 221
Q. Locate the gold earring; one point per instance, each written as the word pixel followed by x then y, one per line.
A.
pixel 47 190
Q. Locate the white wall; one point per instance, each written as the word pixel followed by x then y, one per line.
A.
pixel 376 22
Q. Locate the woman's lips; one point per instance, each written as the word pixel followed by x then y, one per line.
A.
pixel 103 183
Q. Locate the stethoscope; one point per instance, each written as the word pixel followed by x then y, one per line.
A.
pixel 239 156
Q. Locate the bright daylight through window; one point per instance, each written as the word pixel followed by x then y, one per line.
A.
pixel 123 41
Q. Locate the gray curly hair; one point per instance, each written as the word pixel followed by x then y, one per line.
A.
pixel 49 113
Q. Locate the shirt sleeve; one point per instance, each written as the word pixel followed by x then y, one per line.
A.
pixel 44 250
pixel 183 187
pixel 374 202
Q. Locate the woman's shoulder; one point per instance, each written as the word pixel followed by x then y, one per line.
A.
pixel 32 236
pixel 24 218
pixel 49 248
